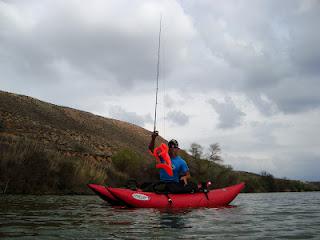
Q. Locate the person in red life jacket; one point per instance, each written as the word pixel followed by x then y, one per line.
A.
pixel 178 183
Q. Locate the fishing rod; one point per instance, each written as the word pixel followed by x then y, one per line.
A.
pixel 157 88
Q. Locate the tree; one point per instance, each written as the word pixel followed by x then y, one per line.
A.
pixel 269 181
pixel 196 150
pixel 214 153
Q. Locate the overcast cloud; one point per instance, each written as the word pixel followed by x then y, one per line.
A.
pixel 118 112
pixel 229 115
pixel 177 118
pixel 243 74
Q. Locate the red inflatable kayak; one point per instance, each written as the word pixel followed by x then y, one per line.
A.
pixel 103 192
pixel 214 198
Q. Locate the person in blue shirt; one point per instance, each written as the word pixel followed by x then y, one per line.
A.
pixel 178 183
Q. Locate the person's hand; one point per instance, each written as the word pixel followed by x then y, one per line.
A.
pixel 155 134
pixel 184 179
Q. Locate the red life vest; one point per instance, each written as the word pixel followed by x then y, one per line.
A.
pixel 162 151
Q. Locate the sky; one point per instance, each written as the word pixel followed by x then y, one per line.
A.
pixel 244 74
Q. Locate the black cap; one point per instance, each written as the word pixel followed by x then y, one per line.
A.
pixel 173 143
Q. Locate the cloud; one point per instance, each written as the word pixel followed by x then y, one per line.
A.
pixel 263 104
pixel 300 166
pixel 178 118
pixel 119 113
pixel 229 115
pixel 270 49
pixel 50 41
pixel 265 51
pixel 101 57
pixel 169 102
pixel 296 95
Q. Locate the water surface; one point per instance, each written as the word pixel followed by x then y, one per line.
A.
pixel 252 216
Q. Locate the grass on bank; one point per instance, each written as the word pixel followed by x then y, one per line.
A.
pixel 26 167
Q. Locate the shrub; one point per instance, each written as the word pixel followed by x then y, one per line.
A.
pixel 268 182
pixel 131 163
pixel 27 167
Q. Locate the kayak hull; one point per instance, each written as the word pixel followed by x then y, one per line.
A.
pixel 103 193
pixel 214 198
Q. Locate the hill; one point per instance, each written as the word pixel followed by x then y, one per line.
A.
pixel 66 130
pixel 47 148
pixel 75 139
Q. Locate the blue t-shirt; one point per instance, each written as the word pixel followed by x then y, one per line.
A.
pixel 179 167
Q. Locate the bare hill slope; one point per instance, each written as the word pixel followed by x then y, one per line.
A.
pixel 67 130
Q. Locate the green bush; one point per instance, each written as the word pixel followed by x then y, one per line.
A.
pixel 268 182
pixel 131 163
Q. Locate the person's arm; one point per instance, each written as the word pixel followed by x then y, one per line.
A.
pixel 185 178
pixel 185 172
pixel 153 139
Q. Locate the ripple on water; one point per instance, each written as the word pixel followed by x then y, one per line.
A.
pixel 252 216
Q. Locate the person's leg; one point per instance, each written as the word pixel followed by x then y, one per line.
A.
pixel 159 187
pixel 191 187
pixel 147 186
pixel 174 187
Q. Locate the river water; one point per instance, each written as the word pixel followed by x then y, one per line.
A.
pixel 251 216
